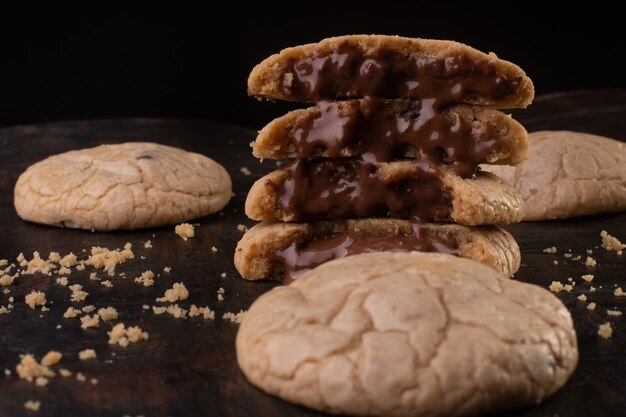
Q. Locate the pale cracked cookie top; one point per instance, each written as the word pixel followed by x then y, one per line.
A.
pixel 569 174
pixel 123 186
pixel 356 66
pixel 400 334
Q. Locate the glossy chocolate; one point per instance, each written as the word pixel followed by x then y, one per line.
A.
pixel 348 188
pixel 385 129
pixel 348 72
pixel 302 255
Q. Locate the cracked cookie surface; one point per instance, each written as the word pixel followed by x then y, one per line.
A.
pixel 401 334
pixel 123 186
pixel 569 174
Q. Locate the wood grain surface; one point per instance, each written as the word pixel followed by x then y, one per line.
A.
pixel 188 367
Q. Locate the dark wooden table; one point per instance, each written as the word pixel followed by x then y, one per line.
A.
pixel 188 367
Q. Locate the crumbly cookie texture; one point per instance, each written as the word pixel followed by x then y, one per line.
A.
pixel 485 199
pixel 269 76
pixel 569 174
pixel 125 186
pixel 489 245
pixel 400 334
pixel 276 140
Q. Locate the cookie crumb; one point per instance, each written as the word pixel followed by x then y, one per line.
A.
pixel 87 354
pixel 587 277
pixel 213 249
pixel 223 275
pixel 80 377
pixel 605 330
pixel 577 258
pixel 611 243
pixel 35 298
pixel 619 292
pixel 176 293
pixel 146 278
pixel 592 289
pixel 242 228
pixel 220 294
pixel 235 317
pixel 245 171
pixel 167 269
pixel 65 372
pixel 68 260
pixel 550 250
pixel 41 381
pixel 148 245
pixel 108 313
pixel 556 286
pixel 122 336
pixel 591 306
pixel 62 281
pixel 590 261
pixel 103 258
pixel 32 405
pixel 582 297
pixel 88 309
pixel 6 280
pixel 185 230
pixel 615 313
pixel 78 294
pixel 88 321
pixel 567 255
pixel 106 283
pixel 36 265
pixel 51 358
pixel 29 369
pixel 555 262
pixel 173 310
pixel 206 312
pixel 71 313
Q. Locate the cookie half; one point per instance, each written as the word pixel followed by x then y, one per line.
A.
pixel 408 334
pixel 124 186
pixel 569 174
pixel 357 66
pixel 390 129
pixel 286 250
pixel 341 189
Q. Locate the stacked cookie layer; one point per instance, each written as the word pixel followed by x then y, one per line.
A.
pixel 392 144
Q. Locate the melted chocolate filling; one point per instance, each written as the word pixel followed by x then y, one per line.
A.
pixel 301 255
pixel 371 126
pixel 348 72
pixel 345 188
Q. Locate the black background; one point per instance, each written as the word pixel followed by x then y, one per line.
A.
pixel 102 60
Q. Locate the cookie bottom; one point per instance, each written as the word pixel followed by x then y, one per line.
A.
pixel 282 251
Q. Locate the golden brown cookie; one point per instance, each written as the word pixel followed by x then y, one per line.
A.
pixel 408 334
pixel 124 186
pixel 357 66
pixel 268 249
pixel 340 189
pixel 394 128
pixel 569 174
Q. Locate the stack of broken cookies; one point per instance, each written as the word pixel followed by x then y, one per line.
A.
pixel 392 144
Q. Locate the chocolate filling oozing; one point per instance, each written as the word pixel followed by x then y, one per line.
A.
pixel 348 72
pixel 348 188
pixel 303 255
pixel 372 126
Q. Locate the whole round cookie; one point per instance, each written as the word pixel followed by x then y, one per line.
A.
pixel 399 334
pixel 569 174
pixel 123 186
